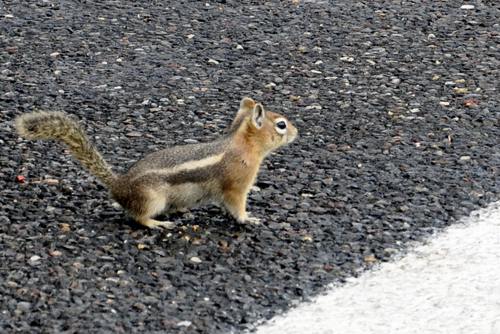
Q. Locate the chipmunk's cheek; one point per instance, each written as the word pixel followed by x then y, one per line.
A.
pixel 290 138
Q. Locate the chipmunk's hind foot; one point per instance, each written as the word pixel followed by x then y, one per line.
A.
pixel 155 224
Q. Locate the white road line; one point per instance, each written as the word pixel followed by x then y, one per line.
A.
pixel 449 285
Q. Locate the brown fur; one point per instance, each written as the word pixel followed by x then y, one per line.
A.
pixel 178 177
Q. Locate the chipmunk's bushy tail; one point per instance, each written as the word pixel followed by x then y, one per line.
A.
pixel 57 125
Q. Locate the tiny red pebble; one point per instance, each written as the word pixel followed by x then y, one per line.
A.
pixel 19 178
pixel 469 102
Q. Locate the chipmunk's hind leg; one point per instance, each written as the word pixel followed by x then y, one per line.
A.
pixel 153 206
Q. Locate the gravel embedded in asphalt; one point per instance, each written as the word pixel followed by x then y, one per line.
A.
pixel 397 109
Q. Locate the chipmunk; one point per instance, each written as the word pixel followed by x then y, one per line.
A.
pixel 179 177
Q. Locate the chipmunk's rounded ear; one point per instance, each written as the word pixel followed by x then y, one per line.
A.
pixel 258 115
pixel 247 103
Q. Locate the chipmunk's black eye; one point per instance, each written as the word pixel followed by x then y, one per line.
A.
pixel 281 125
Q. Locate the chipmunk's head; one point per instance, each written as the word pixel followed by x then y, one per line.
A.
pixel 264 129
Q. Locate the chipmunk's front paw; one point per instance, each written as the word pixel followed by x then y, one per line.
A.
pixel 242 218
pixel 253 221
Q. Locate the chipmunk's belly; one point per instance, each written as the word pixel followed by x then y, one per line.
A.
pixel 188 195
